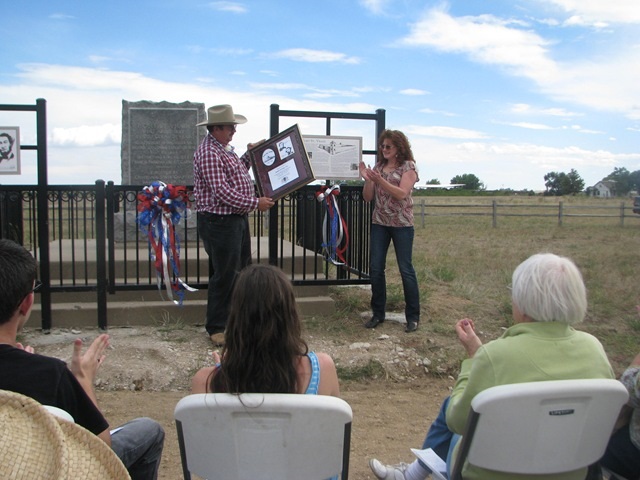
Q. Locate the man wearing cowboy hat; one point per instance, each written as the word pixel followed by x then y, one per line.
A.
pixel 47 380
pixel 225 194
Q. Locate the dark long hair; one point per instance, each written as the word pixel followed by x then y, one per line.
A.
pixel 400 141
pixel 263 338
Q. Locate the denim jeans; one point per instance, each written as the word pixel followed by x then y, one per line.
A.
pixel 402 238
pixel 138 444
pixel 440 439
pixel 622 456
pixel 227 241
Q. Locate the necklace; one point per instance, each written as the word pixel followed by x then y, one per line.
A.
pixel 390 167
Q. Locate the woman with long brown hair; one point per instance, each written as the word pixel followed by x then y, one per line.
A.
pixel 389 183
pixel 264 351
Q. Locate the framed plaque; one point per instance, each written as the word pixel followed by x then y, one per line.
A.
pixel 281 165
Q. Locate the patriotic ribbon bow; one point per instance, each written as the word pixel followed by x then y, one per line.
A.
pixel 333 226
pixel 160 207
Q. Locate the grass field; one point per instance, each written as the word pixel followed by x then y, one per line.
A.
pixel 464 257
pixel 464 267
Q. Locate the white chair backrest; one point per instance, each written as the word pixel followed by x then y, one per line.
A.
pixel 263 436
pixel 541 427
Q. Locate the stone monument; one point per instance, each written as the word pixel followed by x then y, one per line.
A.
pixel 158 141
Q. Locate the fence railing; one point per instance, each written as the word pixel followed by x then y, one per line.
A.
pixel 95 243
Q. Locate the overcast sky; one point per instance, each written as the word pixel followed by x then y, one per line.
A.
pixel 507 90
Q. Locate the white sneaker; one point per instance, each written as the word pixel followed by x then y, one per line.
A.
pixel 387 472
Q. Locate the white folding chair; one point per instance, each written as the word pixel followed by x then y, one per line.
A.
pixel 540 427
pixel 60 413
pixel 263 436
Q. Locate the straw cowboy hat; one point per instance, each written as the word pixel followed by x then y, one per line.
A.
pixel 222 115
pixel 35 444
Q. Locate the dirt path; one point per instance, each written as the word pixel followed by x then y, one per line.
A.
pixel 148 370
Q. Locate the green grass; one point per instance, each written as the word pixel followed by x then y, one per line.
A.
pixel 442 273
pixel 464 267
pixel 168 323
pixel 349 301
pixel 372 370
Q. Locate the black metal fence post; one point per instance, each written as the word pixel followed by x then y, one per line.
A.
pixel 112 205
pixel 101 257
pixel 43 212
pixel 273 211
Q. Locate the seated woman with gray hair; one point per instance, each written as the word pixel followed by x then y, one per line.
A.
pixel 548 296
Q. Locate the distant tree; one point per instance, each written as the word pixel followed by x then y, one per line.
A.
pixel 576 183
pixel 560 183
pixel 470 181
pixel 622 177
pixel 634 180
pixel 553 183
pixel 433 181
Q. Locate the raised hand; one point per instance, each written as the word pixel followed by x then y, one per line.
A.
pixel 28 348
pixel 374 175
pixel 84 366
pixel 467 336
pixel 364 170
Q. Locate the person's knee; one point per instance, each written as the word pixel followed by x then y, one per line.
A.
pixel 152 428
pixel 377 271
pixel 148 431
pixel 377 265
pixel 407 272
pixel 138 442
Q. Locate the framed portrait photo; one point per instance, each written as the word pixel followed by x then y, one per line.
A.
pixel 281 165
pixel 9 150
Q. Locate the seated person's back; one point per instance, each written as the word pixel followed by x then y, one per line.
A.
pixel 264 351
pixel 49 381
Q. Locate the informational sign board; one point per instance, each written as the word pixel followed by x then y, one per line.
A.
pixel 334 158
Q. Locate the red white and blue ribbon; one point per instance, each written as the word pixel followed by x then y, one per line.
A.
pixel 160 208
pixel 335 236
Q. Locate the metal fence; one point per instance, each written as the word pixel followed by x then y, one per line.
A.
pixel 94 243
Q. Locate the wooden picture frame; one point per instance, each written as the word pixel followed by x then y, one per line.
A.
pixel 281 164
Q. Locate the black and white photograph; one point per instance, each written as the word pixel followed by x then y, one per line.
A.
pixel 9 150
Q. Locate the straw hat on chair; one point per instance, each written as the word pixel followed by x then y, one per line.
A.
pixel 35 444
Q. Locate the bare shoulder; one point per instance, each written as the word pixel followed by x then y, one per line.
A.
pixel 324 359
pixel 328 375
pixel 200 381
